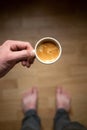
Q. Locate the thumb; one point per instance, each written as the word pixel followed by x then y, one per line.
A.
pixel 21 55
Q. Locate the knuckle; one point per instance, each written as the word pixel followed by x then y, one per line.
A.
pixel 7 42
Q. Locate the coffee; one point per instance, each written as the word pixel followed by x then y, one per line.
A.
pixel 47 51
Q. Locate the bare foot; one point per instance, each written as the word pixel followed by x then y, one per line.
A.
pixel 29 100
pixel 63 99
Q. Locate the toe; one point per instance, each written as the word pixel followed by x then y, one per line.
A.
pixel 59 90
pixel 66 94
pixel 34 90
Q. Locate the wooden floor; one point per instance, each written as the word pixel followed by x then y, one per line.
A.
pixel 70 71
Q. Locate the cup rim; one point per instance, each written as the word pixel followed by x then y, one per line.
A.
pixel 48 38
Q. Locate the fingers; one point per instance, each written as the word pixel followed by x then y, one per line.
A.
pixel 18 45
pixel 21 51
pixel 23 63
pixel 31 60
pixel 28 62
pixel 20 55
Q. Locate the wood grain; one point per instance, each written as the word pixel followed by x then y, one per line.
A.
pixel 70 71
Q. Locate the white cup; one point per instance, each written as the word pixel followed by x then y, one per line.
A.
pixel 45 40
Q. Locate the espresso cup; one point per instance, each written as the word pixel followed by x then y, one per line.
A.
pixel 48 50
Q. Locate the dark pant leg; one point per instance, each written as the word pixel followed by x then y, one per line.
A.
pixel 61 119
pixel 31 121
pixel 63 122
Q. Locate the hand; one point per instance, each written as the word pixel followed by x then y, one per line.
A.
pixel 13 52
